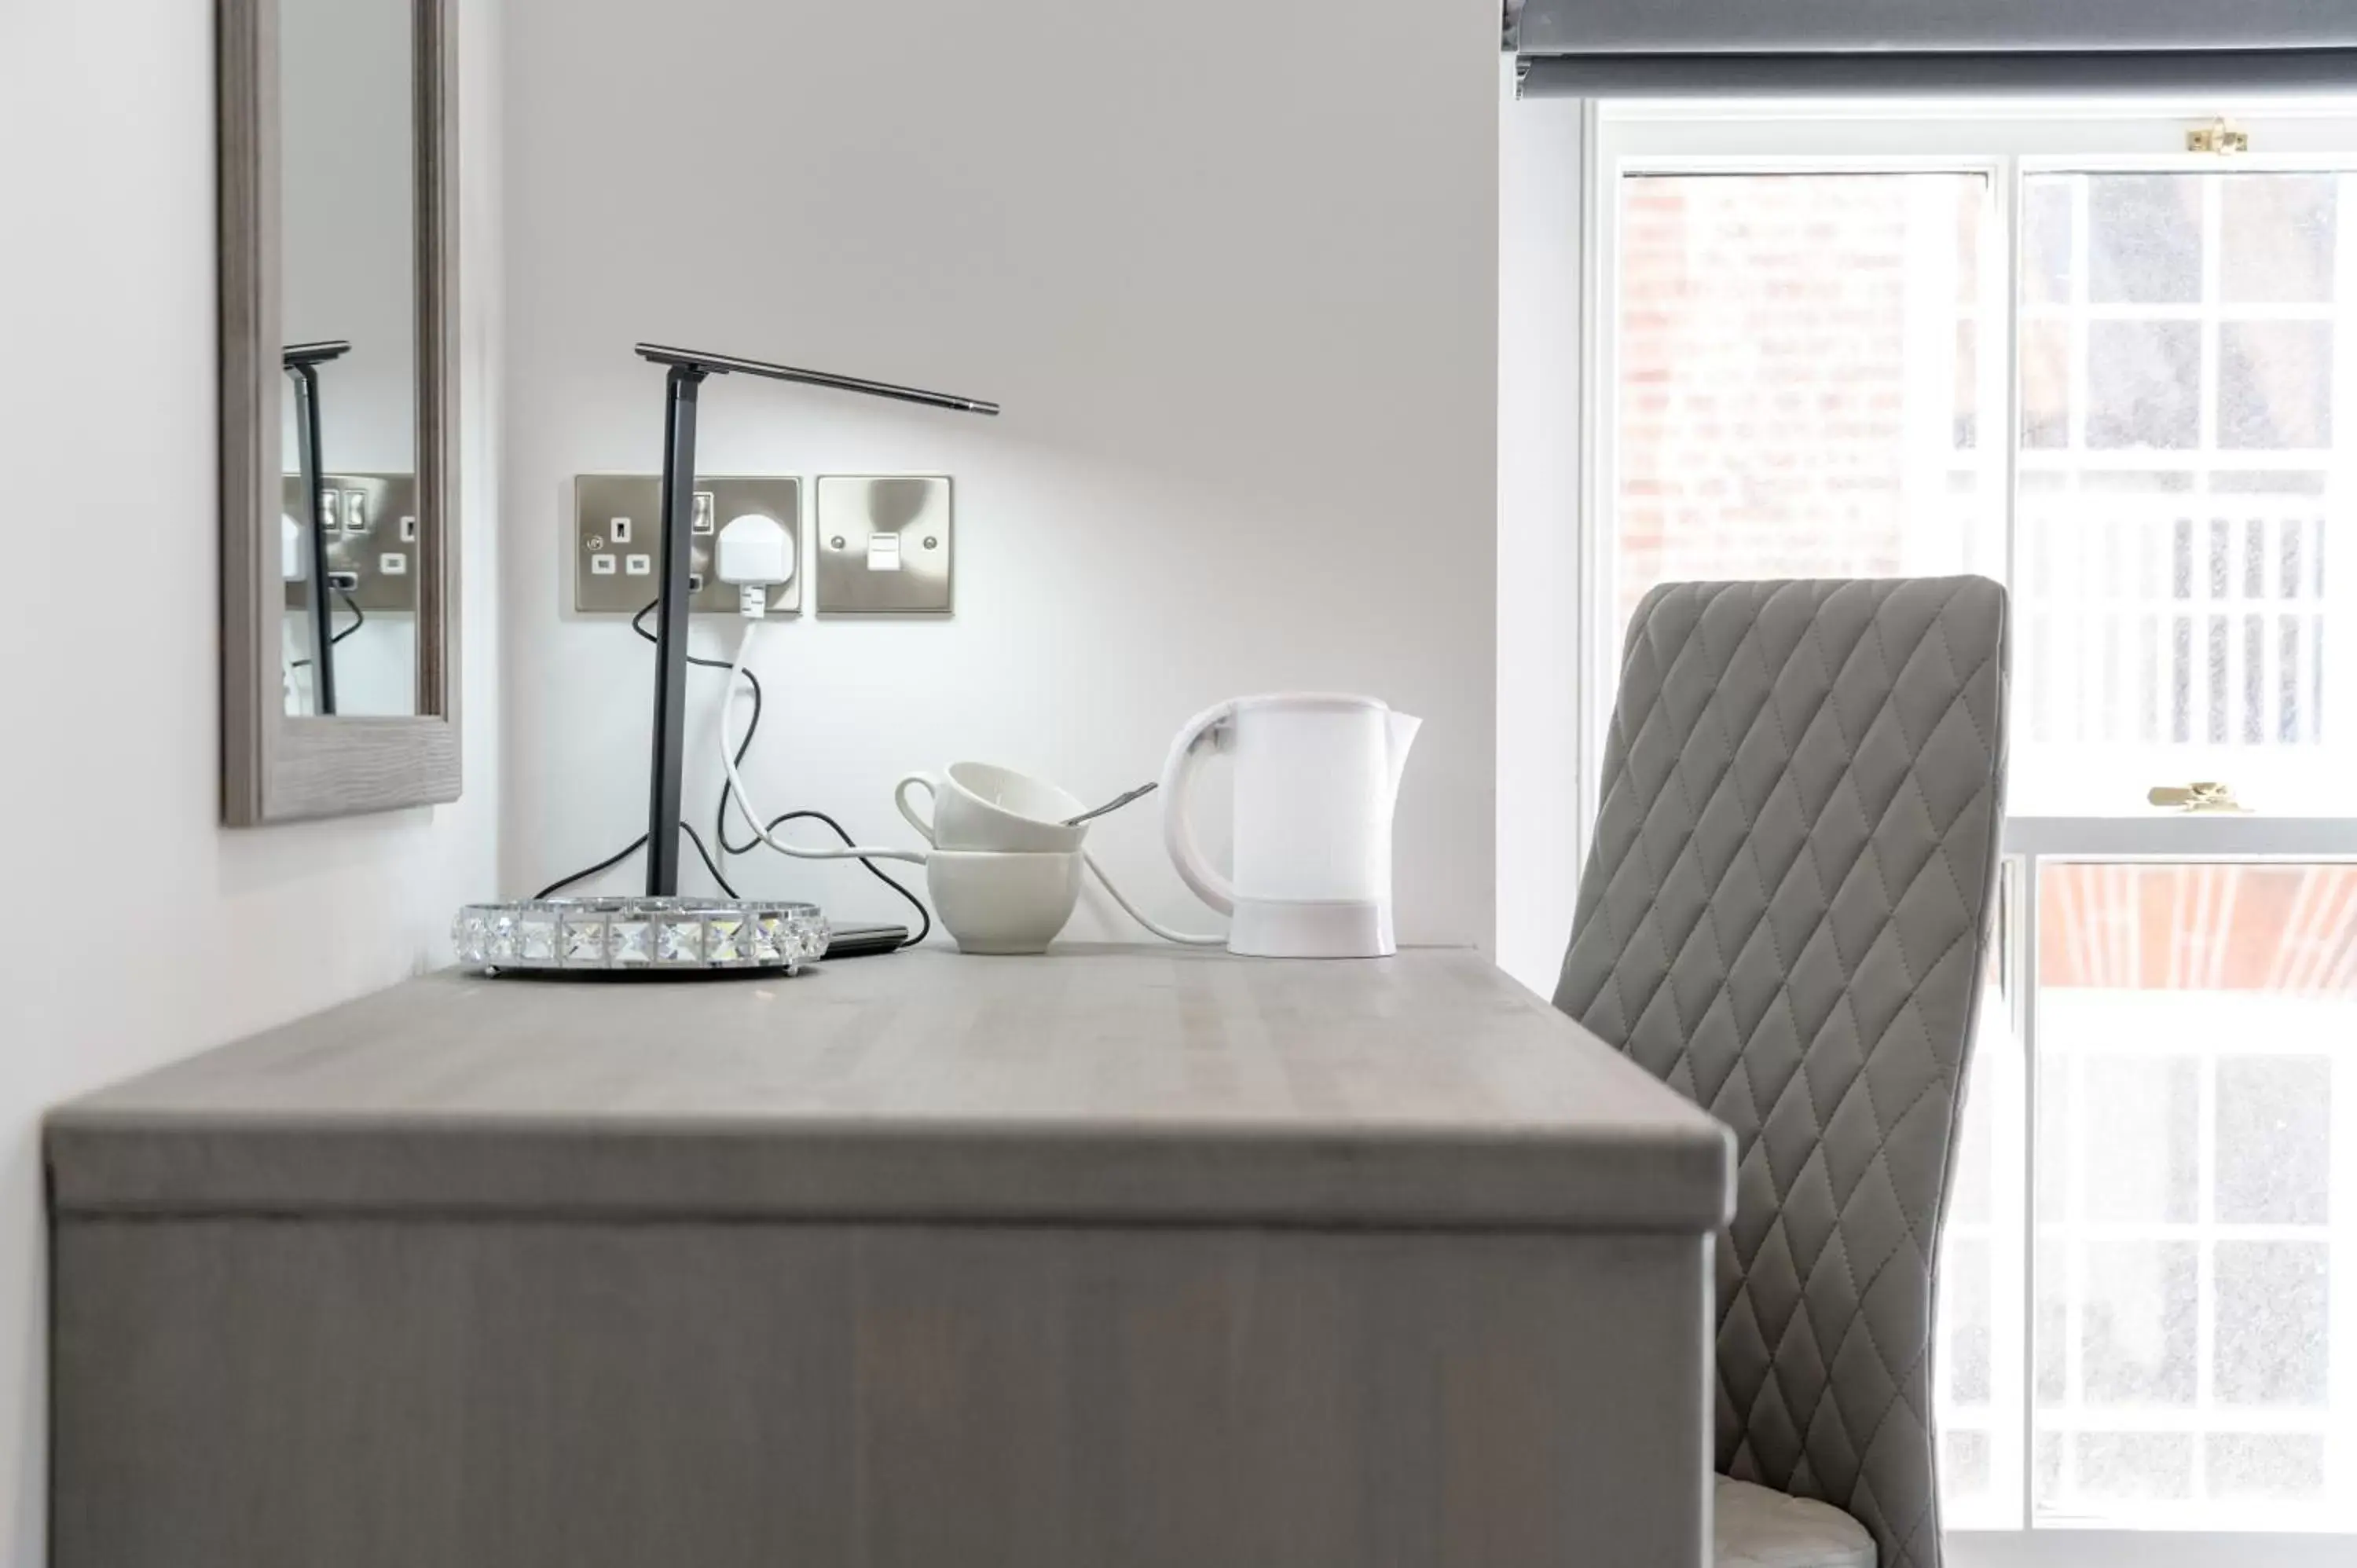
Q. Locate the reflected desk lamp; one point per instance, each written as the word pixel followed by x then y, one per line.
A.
pixel 302 362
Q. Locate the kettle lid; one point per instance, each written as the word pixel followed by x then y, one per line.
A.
pixel 1330 702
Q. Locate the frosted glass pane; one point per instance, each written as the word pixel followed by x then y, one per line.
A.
pixel 2144 385
pixel 2250 1466
pixel 2140 1308
pixel 2273 1324
pixel 2276 236
pixel 2274 1140
pixel 2122 1466
pixel 2144 238
pixel 2046 240
pixel 2138 1137
pixel 2275 384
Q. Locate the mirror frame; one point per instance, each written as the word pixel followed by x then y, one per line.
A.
pixel 277 767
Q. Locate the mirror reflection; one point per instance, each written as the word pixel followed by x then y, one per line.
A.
pixel 349 302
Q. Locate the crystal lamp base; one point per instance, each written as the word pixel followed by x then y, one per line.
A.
pixel 639 936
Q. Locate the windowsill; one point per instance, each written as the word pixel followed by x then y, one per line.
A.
pixel 2069 1547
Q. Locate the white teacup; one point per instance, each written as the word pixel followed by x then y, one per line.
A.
pixel 977 806
pixel 1001 901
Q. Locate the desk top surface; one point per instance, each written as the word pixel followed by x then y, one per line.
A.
pixel 1112 1085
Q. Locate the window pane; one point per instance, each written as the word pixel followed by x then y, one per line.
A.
pixel 2275 234
pixel 2275 384
pixel 1800 378
pixel 2246 1466
pixel 2139 1302
pixel 2197 1045
pixel 2144 238
pixel 2144 385
pixel 2272 1323
pixel 2274 1140
pixel 2179 343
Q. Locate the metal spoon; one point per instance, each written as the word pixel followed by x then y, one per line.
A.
pixel 1115 804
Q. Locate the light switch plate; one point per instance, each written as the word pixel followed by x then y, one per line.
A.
pixel 613 588
pixel 373 525
pixel 884 545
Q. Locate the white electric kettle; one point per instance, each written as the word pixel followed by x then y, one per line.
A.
pixel 1316 777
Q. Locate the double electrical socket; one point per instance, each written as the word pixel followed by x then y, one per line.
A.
pixel 617 541
pixel 882 542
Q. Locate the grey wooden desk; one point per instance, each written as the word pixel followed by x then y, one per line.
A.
pixel 1117 1257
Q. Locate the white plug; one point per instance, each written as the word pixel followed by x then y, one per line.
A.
pixel 293 561
pixel 756 553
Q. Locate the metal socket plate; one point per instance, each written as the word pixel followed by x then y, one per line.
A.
pixel 884 545
pixel 371 523
pixel 617 540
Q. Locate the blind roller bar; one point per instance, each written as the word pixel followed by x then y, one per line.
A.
pixel 2118 73
pixel 1927 27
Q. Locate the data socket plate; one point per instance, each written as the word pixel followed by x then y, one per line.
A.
pixel 884 545
pixel 620 575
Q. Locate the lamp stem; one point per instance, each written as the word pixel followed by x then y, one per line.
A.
pixel 306 377
pixel 664 788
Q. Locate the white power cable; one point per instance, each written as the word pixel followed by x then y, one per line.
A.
pixel 744 802
pixel 1135 913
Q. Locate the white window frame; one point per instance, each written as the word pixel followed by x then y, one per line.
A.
pixel 1998 141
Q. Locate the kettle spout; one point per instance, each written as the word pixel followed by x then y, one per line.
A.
pixel 1402 736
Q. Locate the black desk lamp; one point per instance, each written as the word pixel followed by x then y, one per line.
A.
pixel 664 935
pixel 302 362
pixel 687 371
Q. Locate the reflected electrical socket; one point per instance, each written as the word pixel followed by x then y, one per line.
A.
pixel 617 540
pixel 371 527
pixel 884 545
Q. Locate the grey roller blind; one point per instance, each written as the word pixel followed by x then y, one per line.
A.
pixel 1812 46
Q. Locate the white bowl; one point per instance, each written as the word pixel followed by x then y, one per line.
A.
pixel 1003 901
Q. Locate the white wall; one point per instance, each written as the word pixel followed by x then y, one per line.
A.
pixel 135 929
pixel 1539 403
pixel 1230 266
pixel 349 232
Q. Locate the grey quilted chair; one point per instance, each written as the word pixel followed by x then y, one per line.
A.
pixel 1783 915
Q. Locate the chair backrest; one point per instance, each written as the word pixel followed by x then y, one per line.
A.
pixel 1784 915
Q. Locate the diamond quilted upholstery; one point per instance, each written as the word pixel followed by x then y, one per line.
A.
pixel 1783 915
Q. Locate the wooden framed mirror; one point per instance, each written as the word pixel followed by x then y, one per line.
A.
pixel 338 350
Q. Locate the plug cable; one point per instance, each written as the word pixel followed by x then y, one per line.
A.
pixel 720 816
pixel 728 757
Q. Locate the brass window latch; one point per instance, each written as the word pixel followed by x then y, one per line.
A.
pixel 2220 138
pixel 2196 797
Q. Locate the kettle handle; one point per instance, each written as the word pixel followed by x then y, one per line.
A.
pixel 1206 731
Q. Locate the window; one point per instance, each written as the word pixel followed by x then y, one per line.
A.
pixel 2064 353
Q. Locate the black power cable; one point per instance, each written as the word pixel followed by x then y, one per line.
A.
pixel 720 816
pixel 359 620
pixel 636 845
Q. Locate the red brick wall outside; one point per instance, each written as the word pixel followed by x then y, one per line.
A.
pixel 1764 374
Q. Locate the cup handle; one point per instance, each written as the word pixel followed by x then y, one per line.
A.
pixel 932 795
